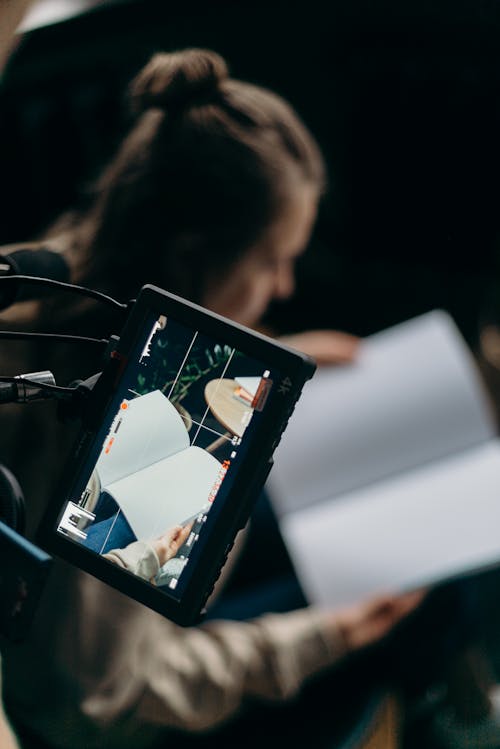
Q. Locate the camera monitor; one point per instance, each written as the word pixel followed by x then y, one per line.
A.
pixel 176 442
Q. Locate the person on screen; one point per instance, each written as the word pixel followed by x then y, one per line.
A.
pixel 145 558
pixel 110 535
pixel 213 195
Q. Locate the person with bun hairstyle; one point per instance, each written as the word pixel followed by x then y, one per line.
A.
pixel 212 195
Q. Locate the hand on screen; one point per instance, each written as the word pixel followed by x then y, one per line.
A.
pixel 325 346
pixel 169 543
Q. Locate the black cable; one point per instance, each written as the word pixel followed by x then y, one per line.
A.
pixel 62 286
pixel 25 336
pixel 64 391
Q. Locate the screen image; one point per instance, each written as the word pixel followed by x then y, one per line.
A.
pixel 167 451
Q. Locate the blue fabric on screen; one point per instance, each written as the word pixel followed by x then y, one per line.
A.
pixel 110 530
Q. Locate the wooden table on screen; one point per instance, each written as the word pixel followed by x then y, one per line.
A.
pixel 230 412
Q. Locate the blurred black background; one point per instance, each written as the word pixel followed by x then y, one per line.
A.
pixel 404 99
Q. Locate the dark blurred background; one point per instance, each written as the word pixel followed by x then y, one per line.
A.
pixel 404 99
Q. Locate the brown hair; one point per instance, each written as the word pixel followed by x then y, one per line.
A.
pixel 205 170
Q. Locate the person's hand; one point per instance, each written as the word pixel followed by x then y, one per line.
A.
pixel 325 346
pixel 169 543
pixel 366 623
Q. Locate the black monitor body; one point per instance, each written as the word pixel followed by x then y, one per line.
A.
pixel 179 429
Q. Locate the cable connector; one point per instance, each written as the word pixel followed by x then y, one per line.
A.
pixel 27 387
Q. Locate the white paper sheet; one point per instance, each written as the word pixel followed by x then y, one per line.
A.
pixel 150 429
pixel 155 476
pixel 166 493
pixel 388 475
pixel 414 395
pixel 428 525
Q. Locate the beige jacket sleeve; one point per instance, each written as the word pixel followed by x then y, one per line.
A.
pixel 194 678
pixel 269 657
pixel 138 557
pixel 99 666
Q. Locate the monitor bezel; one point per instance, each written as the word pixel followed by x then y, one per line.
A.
pixel 296 368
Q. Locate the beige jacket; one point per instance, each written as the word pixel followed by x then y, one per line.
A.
pixel 100 670
pixel 138 557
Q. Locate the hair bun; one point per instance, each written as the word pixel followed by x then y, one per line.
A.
pixel 176 80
